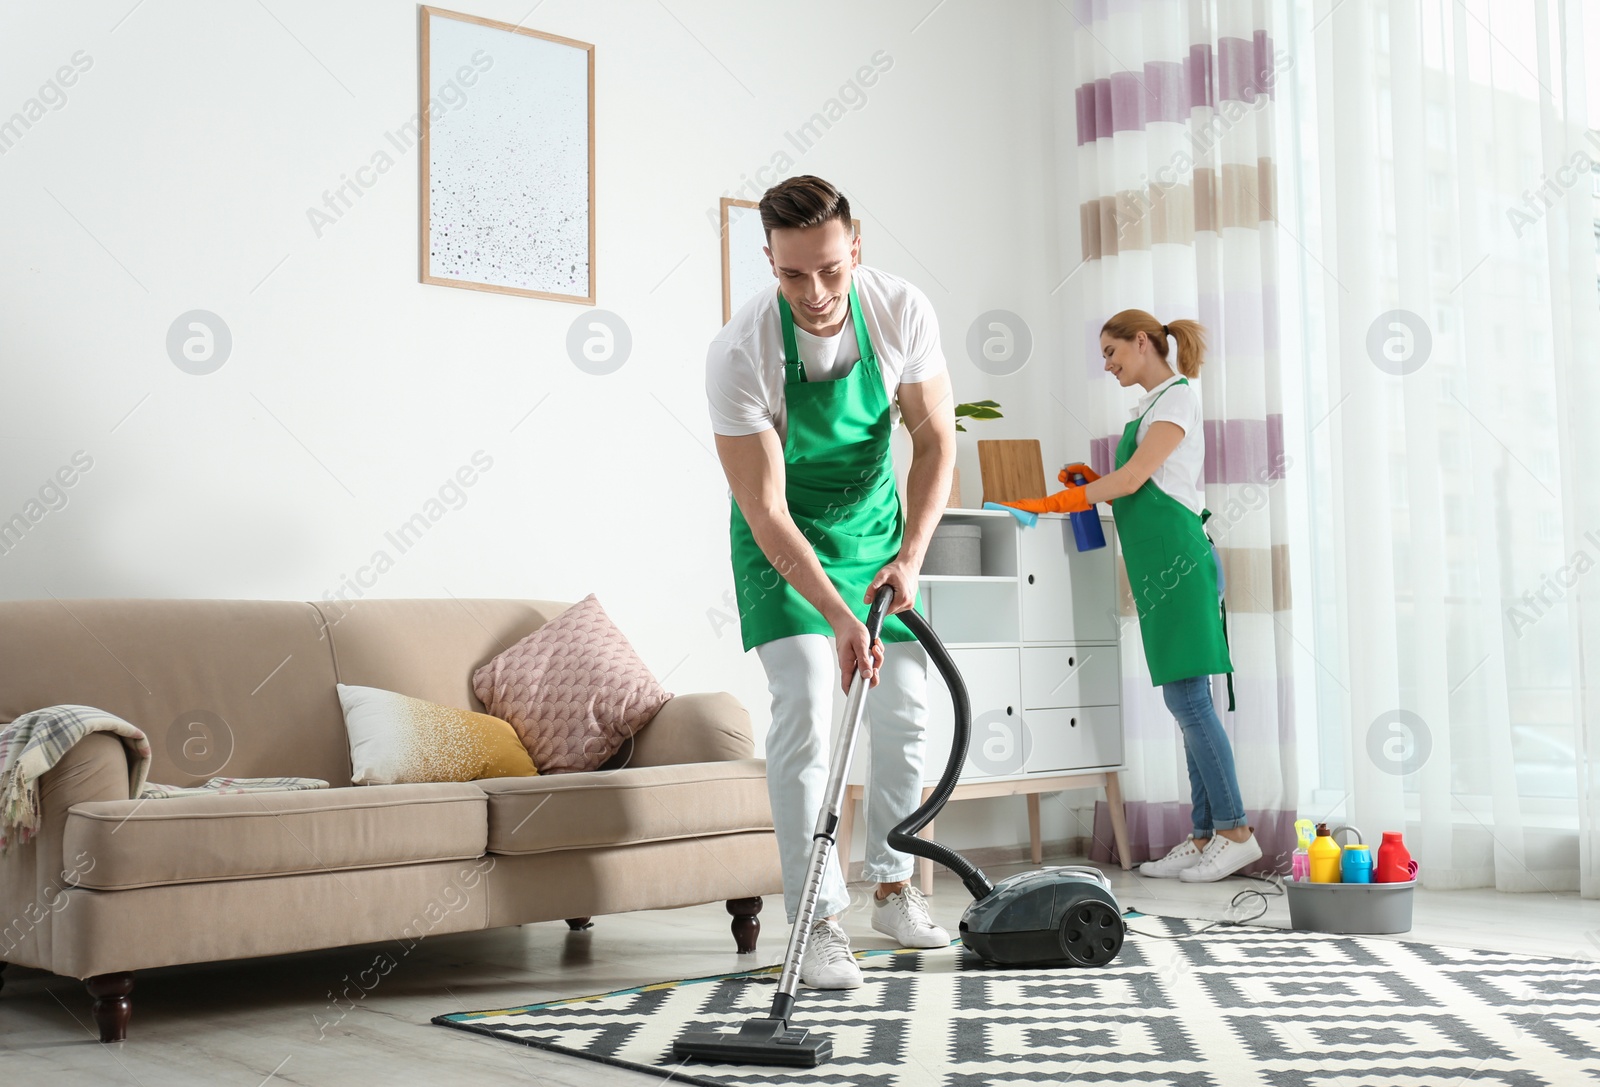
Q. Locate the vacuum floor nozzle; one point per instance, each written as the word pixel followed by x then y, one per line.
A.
pixel 759 1041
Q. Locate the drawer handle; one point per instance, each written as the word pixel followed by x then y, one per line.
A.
pixel 1069 662
pixel 1030 579
pixel 1073 722
pixel 1008 711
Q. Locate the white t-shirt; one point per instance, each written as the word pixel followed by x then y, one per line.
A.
pixel 744 366
pixel 1182 474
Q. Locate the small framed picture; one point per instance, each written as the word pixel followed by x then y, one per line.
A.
pixel 507 159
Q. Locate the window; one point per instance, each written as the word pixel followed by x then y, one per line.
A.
pixel 1438 122
pixel 1549 528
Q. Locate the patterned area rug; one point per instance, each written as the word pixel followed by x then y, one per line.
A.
pixel 1227 1008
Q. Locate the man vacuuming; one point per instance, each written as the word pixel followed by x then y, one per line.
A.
pixel 806 385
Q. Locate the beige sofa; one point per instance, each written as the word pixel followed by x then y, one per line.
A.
pixel 112 885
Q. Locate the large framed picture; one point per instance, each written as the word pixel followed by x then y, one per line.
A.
pixel 507 159
pixel 745 269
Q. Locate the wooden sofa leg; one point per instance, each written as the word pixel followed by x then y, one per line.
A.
pixel 112 1006
pixel 746 928
pixel 3 966
pixel 578 924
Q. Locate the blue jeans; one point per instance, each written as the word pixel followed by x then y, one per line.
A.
pixel 1213 783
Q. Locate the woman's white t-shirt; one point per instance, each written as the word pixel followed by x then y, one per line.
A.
pixel 1181 475
pixel 744 366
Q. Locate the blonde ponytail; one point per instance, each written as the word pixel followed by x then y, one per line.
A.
pixel 1191 339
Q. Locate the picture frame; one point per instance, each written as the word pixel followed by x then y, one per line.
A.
pixel 745 268
pixel 507 156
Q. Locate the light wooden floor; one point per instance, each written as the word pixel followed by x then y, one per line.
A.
pixel 256 1022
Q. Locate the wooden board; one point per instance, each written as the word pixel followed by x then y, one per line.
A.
pixel 1011 469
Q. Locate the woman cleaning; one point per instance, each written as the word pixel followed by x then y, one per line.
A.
pixel 1173 572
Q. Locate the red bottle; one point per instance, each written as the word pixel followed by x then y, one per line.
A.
pixel 1394 860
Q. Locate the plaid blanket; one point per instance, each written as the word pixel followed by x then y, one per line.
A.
pixel 35 742
pixel 32 744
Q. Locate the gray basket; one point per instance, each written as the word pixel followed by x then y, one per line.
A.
pixel 955 550
pixel 1351 908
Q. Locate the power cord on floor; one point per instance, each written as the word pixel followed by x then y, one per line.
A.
pixel 1275 886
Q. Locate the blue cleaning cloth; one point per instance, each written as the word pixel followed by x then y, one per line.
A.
pixel 1028 519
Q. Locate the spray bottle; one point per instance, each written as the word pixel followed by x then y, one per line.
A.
pixel 1301 872
pixel 1086 530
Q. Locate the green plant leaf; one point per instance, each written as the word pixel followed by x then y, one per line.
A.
pixel 977 409
pixel 983 409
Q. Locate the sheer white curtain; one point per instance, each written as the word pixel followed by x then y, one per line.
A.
pixel 1174 163
pixel 1443 278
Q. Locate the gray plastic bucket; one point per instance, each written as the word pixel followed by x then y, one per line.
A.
pixel 1351 908
pixel 954 549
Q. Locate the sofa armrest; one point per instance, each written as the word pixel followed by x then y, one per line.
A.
pixel 709 727
pixel 33 876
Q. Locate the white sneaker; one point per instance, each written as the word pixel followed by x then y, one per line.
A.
pixel 1222 858
pixel 827 963
pixel 903 917
pixel 1183 855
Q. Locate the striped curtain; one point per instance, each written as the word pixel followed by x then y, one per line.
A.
pixel 1176 189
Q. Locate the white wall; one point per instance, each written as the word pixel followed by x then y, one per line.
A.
pixel 178 174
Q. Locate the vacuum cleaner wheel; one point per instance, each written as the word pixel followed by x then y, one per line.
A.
pixel 1091 933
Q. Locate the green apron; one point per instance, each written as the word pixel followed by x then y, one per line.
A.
pixel 841 493
pixel 1172 577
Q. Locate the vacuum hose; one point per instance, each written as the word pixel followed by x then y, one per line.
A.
pixel 904 836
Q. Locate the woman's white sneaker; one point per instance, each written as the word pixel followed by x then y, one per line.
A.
pixel 827 963
pixel 1222 858
pixel 1182 856
pixel 903 916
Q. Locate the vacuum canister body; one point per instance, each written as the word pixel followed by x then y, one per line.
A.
pixel 1053 915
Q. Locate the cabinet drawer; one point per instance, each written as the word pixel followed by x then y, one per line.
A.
pixel 1085 675
pixel 1073 739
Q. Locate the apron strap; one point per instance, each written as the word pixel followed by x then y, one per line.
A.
pixel 1230 651
pixel 794 370
pixel 1205 515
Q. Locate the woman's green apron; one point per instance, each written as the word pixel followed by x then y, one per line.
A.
pixel 1172 577
pixel 841 492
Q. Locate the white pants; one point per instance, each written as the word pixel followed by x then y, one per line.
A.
pixel 803 674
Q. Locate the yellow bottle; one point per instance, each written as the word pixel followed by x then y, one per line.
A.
pixel 1325 857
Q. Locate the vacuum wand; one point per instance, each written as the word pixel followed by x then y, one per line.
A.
pixel 772 1040
pixel 824 838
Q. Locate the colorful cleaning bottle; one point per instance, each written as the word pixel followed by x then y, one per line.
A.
pixel 1086 530
pixel 1394 860
pixel 1325 853
pixel 1355 864
pixel 1301 870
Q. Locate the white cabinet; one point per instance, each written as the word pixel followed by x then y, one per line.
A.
pixel 1034 633
pixel 1034 636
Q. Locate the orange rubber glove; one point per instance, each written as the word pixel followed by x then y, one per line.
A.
pixel 1071 500
pixel 1089 474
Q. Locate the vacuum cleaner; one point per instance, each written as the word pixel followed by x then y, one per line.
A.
pixel 1065 916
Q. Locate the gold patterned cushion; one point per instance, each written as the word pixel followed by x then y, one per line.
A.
pixel 399 740
pixel 574 689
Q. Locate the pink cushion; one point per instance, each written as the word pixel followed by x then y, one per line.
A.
pixel 574 690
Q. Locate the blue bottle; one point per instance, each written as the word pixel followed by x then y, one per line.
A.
pixel 1355 864
pixel 1086 530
